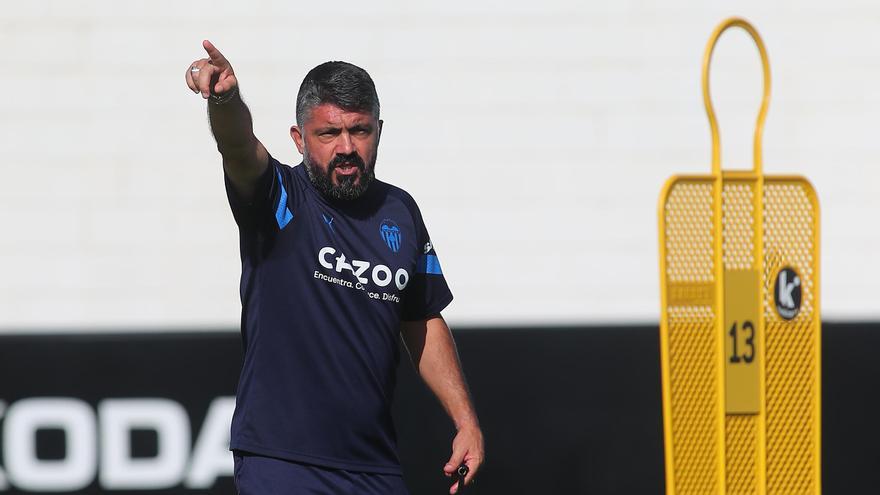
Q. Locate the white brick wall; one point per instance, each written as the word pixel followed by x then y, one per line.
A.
pixel 535 135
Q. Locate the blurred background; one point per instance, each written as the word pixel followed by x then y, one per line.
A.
pixel 535 136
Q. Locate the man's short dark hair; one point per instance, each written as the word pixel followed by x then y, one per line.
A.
pixel 340 83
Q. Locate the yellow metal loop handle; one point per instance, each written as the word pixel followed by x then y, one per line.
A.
pixel 707 98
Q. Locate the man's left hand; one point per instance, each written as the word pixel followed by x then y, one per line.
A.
pixel 467 449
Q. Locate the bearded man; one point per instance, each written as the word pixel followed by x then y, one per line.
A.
pixel 336 265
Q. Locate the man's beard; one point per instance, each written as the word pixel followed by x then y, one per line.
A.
pixel 349 186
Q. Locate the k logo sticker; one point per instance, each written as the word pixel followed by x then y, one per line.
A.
pixel 787 293
pixel 391 234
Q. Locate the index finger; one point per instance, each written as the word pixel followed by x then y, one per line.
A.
pixel 214 54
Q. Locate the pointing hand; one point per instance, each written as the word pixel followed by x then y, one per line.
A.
pixel 212 75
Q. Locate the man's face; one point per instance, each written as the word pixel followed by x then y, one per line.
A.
pixel 339 149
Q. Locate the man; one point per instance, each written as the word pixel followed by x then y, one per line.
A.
pixel 335 264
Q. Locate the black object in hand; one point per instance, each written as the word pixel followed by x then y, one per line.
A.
pixel 462 472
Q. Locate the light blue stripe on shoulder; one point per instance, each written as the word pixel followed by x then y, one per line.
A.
pixel 429 264
pixel 283 214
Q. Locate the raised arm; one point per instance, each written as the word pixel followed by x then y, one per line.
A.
pixel 433 353
pixel 244 157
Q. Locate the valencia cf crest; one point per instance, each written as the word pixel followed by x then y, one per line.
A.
pixel 391 234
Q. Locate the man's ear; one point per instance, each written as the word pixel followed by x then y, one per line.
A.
pixel 296 134
pixel 379 134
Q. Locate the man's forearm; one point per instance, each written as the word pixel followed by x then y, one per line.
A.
pixel 244 157
pixel 434 354
pixel 231 124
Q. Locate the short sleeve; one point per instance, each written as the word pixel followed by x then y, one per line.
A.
pixel 270 204
pixel 428 293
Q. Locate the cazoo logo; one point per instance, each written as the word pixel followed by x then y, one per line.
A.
pixel 99 445
pixel 380 275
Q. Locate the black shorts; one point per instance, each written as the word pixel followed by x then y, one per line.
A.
pixel 259 475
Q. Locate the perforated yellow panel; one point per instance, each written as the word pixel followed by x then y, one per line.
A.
pixel 695 400
pixel 689 236
pixel 776 450
pixel 693 396
pixel 741 454
pixel 793 346
pixel 738 226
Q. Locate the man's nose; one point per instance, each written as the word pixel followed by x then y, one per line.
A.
pixel 344 146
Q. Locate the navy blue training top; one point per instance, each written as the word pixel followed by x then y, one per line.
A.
pixel 324 287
